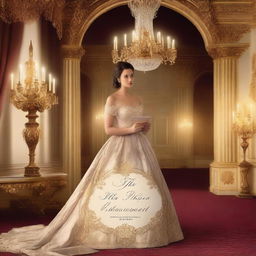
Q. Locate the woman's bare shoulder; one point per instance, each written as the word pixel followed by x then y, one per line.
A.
pixel 111 99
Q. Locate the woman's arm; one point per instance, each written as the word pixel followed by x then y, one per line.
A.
pixel 109 121
pixel 111 130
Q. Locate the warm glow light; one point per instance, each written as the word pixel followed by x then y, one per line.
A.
pixel 185 123
pixel 168 40
pixel 133 36
pixel 53 85
pixel 115 43
pixel 50 82
pixel 99 116
pixel 173 43
pixel 20 73
pixel 243 118
pixel 158 37
pixel 125 40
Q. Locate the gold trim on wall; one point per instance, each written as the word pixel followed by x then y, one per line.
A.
pixel 72 51
pixel 222 51
pixel 27 10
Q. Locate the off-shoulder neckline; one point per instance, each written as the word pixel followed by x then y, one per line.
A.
pixel 125 105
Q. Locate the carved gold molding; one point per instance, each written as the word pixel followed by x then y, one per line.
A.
pixel 34 195
pixel 26 10
pixel 227 177
pixel 223 51
pixel 201 11
pixel 233 19
pixel 40 188
pixel 75 15
pixel 237 11
pixel 79 14
pixel 223 165
pixel 72 52
pixel 232 32
pixel 217 21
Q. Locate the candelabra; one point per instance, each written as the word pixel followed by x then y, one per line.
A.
pixel 145 52
pixel 244 125
pixel 32 94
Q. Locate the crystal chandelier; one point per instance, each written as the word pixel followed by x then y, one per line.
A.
pixel 146 51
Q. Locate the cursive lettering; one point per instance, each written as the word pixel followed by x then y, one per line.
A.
pixel 131 195
pixel 109 196
pixel 107 207
pixel 125 182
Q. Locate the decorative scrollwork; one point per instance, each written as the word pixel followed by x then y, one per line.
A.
pixel 227 51
pixel 26 10
pixel 35 194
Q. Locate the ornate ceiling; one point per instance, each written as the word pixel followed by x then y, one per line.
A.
pixel 219 21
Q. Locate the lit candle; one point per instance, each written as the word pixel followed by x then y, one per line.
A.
pixel 125 40
pixel 133 36
pixel 43 75
pixel 162 41
pixel 115 43
pixel 50 82
pixel 20 73
pixel 168 40
pixel 53 85
pixel 12 78
pixel 158 37
pixel 173 44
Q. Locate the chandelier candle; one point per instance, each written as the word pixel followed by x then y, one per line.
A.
pixel 31 95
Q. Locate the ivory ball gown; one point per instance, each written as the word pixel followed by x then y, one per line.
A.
pixel 121 202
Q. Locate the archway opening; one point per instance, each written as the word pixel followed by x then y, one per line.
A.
pixel 203 119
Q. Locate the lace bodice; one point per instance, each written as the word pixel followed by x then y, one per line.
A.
pixel 124 114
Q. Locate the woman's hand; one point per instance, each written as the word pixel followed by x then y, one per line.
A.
pixel 146 127
pixel 137 127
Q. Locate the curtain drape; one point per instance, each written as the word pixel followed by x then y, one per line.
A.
pixel 10 44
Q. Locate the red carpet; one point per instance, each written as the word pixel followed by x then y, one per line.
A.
pixel 212 225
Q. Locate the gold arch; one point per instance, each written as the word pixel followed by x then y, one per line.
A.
pixel 206 29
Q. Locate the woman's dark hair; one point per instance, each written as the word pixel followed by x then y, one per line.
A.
pixel 120 66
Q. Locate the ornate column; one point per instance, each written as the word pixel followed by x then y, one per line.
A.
pixel 72 114
pixel 224 178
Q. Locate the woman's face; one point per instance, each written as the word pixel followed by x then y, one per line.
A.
pixel 126 78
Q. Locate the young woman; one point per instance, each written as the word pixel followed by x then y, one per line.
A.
pixel 122 200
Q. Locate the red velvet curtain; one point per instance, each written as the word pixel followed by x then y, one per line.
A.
pixel 10 44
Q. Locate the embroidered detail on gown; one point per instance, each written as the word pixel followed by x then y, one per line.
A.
pixel 121 202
